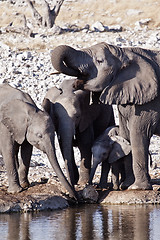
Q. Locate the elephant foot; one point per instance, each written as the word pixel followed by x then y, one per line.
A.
pixel 15 189
pixel 140 186
pixel 115 187
pixel 83 181
pixel 105 186
pixel 25 185
pixel 127 183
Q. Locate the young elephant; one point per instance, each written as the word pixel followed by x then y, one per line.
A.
pixel 109 149
pixel 77 123
pixel 22 126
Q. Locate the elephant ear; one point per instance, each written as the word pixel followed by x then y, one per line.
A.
pixel 52 94
pixel 14 115
pixel 120 148
pixel 135 83
pixel 46 104
pixel 83 97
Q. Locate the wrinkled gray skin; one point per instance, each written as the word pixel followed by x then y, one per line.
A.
pixel 128 77
pixel 109 149
pixel 77 123
pixel 22 126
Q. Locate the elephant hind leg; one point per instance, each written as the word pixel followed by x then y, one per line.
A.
pixel 140 146
pixel 10 160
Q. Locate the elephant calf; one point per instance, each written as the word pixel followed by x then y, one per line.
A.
pixel 22 126
pixel 109 149
pixel 77 123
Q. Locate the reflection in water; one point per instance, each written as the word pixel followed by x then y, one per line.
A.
pixel 84 222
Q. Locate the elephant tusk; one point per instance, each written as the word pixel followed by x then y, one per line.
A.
pixel 53 73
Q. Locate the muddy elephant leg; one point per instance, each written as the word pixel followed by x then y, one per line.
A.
pixel 85 141
pixel 104 175
pixel 24 162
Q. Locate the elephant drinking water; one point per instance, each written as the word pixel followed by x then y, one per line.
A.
pixel 77 123
pixel 22 126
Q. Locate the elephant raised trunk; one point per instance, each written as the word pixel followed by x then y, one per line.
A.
pixel 61 58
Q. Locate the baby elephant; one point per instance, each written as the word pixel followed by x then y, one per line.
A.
pixel 108 149
pixel 22 126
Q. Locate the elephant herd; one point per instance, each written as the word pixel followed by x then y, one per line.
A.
pixel 80 112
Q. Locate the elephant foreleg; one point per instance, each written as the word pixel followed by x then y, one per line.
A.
pixel 129 175
pixel 24 162
pixel 104 175
pixel 85 141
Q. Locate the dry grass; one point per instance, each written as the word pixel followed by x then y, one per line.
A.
pixel 81 12
pixel 111 13
pixel 89 11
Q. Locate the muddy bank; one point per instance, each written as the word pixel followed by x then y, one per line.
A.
pixel 48 196
pixel 38 197
pixel 130 197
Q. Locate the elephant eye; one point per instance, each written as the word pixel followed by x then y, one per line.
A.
pixel 99 60
pixel 39 135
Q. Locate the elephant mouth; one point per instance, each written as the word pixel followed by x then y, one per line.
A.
pixel 81 81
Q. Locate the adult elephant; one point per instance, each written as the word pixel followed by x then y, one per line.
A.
pixel 77 123
pixel 22 126
pixel 128 77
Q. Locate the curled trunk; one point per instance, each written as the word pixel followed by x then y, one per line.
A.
pixel 61 58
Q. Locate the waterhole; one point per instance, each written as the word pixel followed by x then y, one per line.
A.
pixel 84 222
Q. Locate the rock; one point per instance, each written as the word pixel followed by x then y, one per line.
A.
pixel 98 27
pixel 114 28
pixel 142 24
pixel 133 12
pixel 90 194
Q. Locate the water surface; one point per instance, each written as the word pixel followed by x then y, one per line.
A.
pixel 84 222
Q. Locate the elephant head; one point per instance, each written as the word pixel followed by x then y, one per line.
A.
pixel 125 75
pixel 25 121
pixel 108 147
